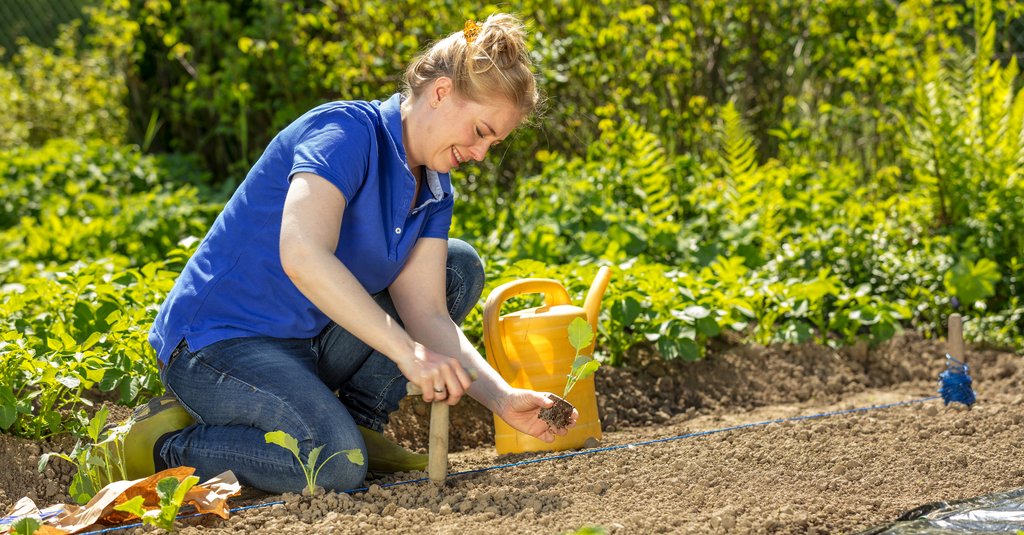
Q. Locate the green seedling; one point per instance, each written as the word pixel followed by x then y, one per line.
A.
pixel 559 415
pixel 98 462
pixel 171 493
pixel 26 526
pixel 310 468
pixel 589 530
pixel 580 336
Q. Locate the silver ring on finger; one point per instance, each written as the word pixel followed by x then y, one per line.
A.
pixel 439 390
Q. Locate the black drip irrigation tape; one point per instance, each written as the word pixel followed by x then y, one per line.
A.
pixel 579 453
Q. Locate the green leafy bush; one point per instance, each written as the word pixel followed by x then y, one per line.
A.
pixel 95 245
pixel 76 89
pixel 835 178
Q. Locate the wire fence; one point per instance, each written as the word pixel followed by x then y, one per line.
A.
pixel 37 20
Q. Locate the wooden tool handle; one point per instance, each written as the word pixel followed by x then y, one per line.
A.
pixel 437 462
pixel 955 340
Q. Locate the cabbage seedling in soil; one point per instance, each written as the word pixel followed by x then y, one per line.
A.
pixel 583 366
pixel 288 442
pixel 171 493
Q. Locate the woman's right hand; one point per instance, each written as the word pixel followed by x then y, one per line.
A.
pixel 439 377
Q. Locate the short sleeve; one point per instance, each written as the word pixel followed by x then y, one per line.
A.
pixel 335 146
pixel 440 221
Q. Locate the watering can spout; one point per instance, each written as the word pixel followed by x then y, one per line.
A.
pixel 592 304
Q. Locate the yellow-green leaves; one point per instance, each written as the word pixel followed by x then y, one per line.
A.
pixel 580 336
pixel 284 440
pixel 171 493
pixel 310 467
pixel 972 281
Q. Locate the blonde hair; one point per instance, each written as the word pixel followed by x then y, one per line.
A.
pixel 493 64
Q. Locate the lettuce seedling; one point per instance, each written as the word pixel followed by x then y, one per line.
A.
pixel 312 471
pixel 98 462
pixel 171 493
pixel 580 336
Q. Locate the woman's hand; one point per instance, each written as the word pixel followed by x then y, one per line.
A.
pixel 440 378
pixel 520 408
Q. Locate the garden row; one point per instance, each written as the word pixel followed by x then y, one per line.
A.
pixel 858 202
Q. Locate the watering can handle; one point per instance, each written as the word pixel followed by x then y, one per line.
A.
pixel 554 294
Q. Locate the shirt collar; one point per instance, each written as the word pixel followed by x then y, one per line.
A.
pixel 391 112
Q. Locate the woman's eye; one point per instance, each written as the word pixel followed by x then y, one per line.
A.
pixel 478 132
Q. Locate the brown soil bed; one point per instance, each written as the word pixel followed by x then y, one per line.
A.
pixel 840 473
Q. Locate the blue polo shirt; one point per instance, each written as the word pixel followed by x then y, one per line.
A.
pixel 234 285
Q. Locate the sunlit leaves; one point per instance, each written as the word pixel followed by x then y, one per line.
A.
pixel 972 281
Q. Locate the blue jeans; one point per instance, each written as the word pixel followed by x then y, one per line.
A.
pixel 315 389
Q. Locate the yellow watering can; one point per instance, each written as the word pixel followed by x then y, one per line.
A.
pixel 530 348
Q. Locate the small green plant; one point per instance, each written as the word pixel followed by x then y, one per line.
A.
pixel 171 493
pixel 309 467
pixel 589 530
pixel 26 526
pixel 580 336
pixel 98 462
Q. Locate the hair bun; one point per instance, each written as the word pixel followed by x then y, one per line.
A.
pixel 503 39
pixel 485 61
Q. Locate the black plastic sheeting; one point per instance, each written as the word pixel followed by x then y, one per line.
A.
pixel 995 513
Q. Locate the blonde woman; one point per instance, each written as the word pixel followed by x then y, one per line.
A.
pixel 329 281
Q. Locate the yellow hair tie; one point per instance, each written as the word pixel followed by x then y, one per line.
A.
pixel 471 31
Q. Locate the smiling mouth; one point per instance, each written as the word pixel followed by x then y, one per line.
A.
pixel 458 155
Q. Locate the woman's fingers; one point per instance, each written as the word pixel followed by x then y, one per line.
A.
pixel 446 380
pixel 457 380
pixel 437 390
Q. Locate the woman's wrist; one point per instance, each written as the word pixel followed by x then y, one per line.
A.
pixel 402 350
pixel 502 399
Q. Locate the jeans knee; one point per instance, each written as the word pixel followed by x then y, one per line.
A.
pixel 465 278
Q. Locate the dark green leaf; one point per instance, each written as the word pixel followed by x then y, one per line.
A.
pixel 708 326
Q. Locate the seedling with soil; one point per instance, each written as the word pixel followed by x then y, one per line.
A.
pixel 171 492
pixel 581 335
pixel 97 463
pixel 310 468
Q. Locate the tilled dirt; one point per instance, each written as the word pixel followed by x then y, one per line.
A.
pixel 839 473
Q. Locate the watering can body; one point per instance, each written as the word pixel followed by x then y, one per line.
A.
pixel 530 349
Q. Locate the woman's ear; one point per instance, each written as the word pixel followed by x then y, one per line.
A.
pixel 442 90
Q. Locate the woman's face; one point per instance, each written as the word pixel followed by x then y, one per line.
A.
pixel 458 130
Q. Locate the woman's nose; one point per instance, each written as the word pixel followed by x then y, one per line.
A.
pixel 479 150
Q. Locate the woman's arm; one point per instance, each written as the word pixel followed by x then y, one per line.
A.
pixel 419 295
pixel 309 236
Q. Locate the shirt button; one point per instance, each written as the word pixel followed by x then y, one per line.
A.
pixel 398 230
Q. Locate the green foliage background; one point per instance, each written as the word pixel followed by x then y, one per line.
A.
pixel 829 171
